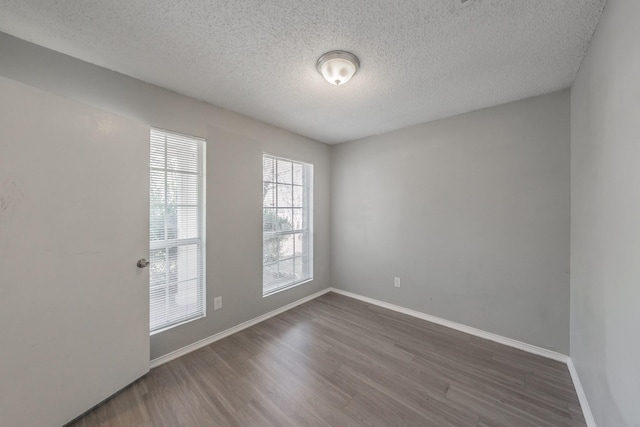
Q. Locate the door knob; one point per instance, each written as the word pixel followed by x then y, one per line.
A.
pixel 142 263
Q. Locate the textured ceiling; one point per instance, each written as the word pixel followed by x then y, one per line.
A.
pixel 420 59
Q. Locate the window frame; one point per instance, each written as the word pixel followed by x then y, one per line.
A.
pixel 308 219
pixel 200 240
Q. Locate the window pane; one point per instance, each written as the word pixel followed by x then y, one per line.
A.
pixel 285 246
pixel 270 277
pixel 269 220
pixel 157 187
pixel 270 250
pixel 268 169
pixel 302 267
pixel 287 273
pixel 184 262
pixel 183 156
pixel 156 231
pixel 157 152
pixel 285 219
pixel 298 197
pixel 187 222
pixel 298 174
pixel 177 253
pixel 285 196
pixel 297 219
pixel 286 249
pixel 268 194
pixel 187 295
pixel 182 189
pixel 157 267
pixel 285 171
pixel 301 244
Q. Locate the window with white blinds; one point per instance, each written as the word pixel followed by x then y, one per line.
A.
pixel 287 231
pixel 177 229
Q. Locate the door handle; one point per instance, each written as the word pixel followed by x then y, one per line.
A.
pixel 142 263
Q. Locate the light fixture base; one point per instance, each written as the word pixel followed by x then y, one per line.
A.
pixel 338 66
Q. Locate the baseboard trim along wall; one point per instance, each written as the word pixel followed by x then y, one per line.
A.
pixel 582 397
pixel 220 335
pixel 563 358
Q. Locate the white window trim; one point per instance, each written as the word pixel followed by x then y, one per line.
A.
pixel 202 255
pixel 309 202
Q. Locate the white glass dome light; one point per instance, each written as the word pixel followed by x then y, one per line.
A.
pixel 338 66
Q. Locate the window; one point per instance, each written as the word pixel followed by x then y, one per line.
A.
pixel 177 229
pixel 287 258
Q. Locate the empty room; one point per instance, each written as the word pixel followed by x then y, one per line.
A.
pixel 320 213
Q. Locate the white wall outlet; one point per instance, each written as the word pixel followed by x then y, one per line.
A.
pixel 217 303
pixel 396 282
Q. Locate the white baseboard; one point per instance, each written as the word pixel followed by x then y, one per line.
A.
pixel 549 354
pixel 213 338
pixel 582 397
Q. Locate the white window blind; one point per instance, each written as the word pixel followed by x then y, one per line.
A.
pixel 287 230
pixel 177 229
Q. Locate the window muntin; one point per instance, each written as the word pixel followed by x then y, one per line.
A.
pixel 287 258
pixel 177 229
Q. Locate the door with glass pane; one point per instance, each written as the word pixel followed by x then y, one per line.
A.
pixel 74 221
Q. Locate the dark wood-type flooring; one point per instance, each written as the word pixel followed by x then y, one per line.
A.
pixel 336 361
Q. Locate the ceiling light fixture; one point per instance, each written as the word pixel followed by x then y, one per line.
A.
pixel 338 66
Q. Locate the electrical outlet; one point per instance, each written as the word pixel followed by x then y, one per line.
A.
pixel 217 303
pixel 396 282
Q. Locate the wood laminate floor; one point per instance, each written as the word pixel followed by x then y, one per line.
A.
pixel 336 361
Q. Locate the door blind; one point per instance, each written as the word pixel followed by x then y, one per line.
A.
pixel 177 229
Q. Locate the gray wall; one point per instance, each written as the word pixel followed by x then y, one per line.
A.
pixel 234 172
pixel 605 212
pixel 471 212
